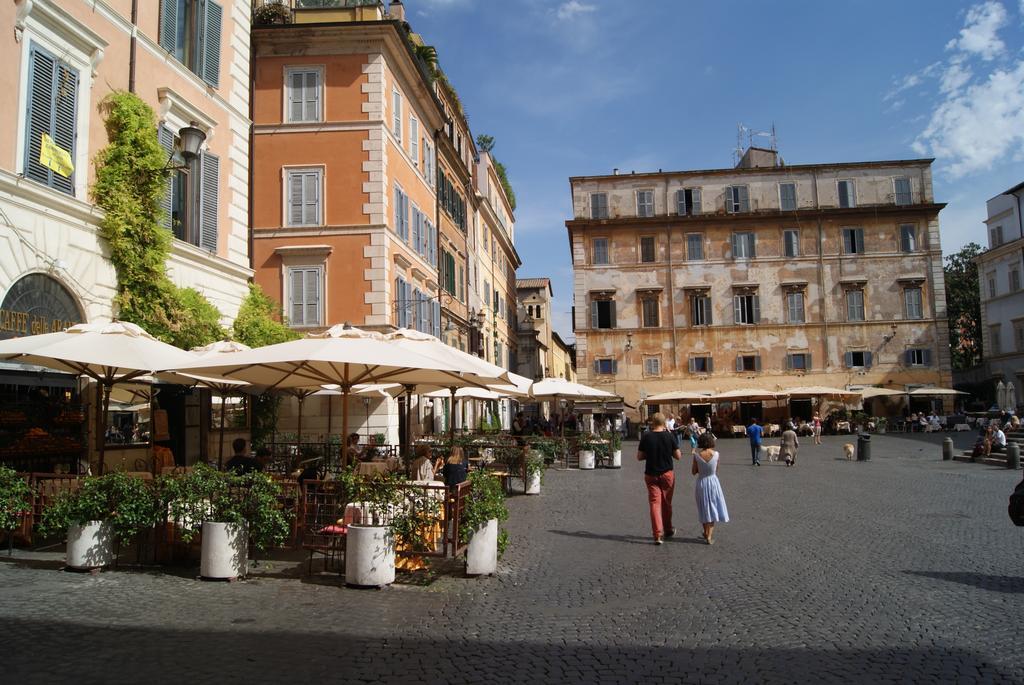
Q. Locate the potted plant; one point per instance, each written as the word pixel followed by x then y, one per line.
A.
pixel 15 503
pixel 370 542
pixel 104 508
pixel 614 439
pixel 271 13
pixel 484 510
pixel 529 463
pixel 228 510
pixel 881 424
pixel 588 446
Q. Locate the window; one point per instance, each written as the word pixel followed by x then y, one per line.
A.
pixel 798 361
pixel 401 214
pixel 650 311
pixel 304 197
pixel 190 31
pixel 303 92
pixel 858 359
pixel 451 201
pixel 737 199
pixel 701 365
pixel 52 114
pixel 647 253
pixel 748 362
pixel 908 238
pixel 791 243
pixel 847 194
pixel 429 163
pixel 700 309
pixel 695 247
pixel 190 200
pixel 396 114
pixel 448 272
pixel 787 196
pixel 853 240
pixel 995 235
pixel 795 307
pixel 652 366
pixel 918 357
pixel 602 314
pixel 743 245
pixel 901 190
pixel 600 251
pixel 992 285
pixel 1018 335
pixel 854 305
pixel 605 367
pixel 1014 280
pixel 304 295
pixel 746 309
pixel 688 201
pixel 414 141
pixel 645 203
pixel 912 303
pixel 994 331
pixel 598 206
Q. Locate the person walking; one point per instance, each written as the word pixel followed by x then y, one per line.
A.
pixel 711 507
pixel 816 428
pixel 754 433
pixel 657 449
pixel 790 443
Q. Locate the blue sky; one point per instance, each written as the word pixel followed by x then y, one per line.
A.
pixel 576 87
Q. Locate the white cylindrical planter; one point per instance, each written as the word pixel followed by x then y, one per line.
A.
pixel 616 460
pixel 225 551
pixel 369 556
pixel 533 483
pixel 482 553
pixel 90 545
pixel 587 459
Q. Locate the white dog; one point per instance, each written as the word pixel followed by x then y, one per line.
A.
pixel 773 452
pixel 848 451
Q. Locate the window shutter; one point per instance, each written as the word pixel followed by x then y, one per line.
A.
pixel 757 363
pixel 709 364
pixel 739 362
pixel 437 319
pixel 735 246
pixel 908 357
pixel 165 136
pixel 849 360
pixel 169 25
pixel 296 97
pixel 209 189
pixel 40 111
pixel 751 245
pixel 867 359
pixel 756 299
pixel 807 362
pixel 64 121
pixel 693 365
pixel 312 296
pixel 297 298
pixel 615 366
pixel 398 211
pixel 597 366
pixel 211 43
pixel 311 199
pixel 859 236
pixel 789 362
pixel 743 200
pixel 311 96
pixel 594 317
pixel 295 197
pixel 681 202
pixel 611 314
pixel 927 357
pixel 417 229
pixel 737 304
pixel 695 201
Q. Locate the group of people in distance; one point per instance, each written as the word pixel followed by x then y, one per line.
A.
pixel 659 449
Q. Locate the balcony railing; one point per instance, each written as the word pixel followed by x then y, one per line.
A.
pixel 300 11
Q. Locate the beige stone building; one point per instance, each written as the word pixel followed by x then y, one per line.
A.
pixel 542 352
pixel 764 275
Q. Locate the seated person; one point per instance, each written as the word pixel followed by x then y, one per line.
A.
pixel 455 468
pixel 998 440
pixel 422 468
pixel 241 462
pixel 353 452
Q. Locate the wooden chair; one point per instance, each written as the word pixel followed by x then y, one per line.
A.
pixel 323 527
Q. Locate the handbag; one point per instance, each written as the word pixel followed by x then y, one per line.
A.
pixel 1016 506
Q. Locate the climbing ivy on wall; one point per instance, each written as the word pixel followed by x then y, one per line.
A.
pixel 131 179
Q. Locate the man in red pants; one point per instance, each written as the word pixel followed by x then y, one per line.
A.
pixel 658 447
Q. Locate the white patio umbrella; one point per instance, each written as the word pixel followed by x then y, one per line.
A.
pixel 823 391
pixel 868 393
pixel 556 389
pixel 685 396
pixel 939 392
pixel 109 353
pixel 752 394
pixel 342 355
pixel 1001 395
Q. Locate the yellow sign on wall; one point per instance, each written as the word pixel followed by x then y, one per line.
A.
pixel 55 158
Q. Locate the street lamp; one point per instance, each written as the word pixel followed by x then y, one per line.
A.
pixel 191 139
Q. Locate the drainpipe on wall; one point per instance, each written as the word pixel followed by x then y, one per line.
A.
pixel 252 144
pixel 131 49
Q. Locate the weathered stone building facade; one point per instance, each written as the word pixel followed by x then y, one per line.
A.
pixel 541 351
pixel 761 275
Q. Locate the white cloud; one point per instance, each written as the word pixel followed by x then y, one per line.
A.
pixel 911 81
pixel 955 77
pixel 979 34
pixel 571 9
pixel 976 127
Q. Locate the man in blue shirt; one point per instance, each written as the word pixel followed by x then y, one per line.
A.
pixel 754 433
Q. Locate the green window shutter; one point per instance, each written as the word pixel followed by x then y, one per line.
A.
pixel 211 43
pixel 169 25
pixel 209 190
pixel 39 118
pixel 64 121
pixel 165 136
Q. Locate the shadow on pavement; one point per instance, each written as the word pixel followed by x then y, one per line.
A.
pixel 241 651
pixel 1007 584
pixel 630 539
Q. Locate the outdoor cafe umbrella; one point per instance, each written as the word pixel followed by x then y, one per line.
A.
pixel 109 353
pixel 684 396
pixel 223 386
pixel 936 392
pixel 869 392
pixel 342 355
pixel 556 389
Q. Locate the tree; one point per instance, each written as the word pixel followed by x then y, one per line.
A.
pixel 963 306
pixel 485 142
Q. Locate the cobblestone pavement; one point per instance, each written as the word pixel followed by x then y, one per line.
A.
pixel 903 569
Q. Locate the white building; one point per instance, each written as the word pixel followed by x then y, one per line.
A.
pixel 1000 273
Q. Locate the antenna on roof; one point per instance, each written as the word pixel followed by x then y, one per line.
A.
pixel 745 139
